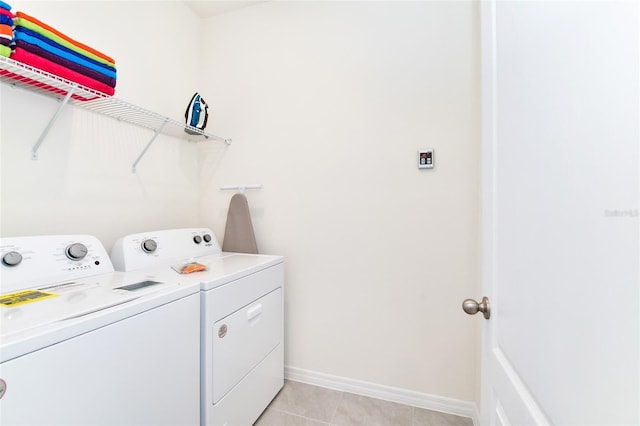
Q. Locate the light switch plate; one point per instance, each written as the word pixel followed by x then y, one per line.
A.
pixel 425 158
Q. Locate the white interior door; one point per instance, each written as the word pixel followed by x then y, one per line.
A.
pixel 561 146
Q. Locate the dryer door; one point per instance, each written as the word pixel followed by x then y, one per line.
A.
pixel 243 339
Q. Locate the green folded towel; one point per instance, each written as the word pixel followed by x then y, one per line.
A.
pixel 5 50
pixel 22 22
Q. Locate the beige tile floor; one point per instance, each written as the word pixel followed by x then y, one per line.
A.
pixel 300 404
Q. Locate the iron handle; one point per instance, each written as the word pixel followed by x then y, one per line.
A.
pixel 472 307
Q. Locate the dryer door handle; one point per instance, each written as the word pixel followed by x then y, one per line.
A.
pixel 254 311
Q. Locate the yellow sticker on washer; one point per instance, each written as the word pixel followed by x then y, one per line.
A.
pixel 23 297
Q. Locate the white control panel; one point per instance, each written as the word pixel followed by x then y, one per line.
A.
pixel 38 260
pixel 160 248
pixel 425 158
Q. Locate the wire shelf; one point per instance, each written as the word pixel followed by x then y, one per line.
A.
pixel 21 75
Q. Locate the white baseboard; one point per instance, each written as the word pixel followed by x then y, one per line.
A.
pixel 388 393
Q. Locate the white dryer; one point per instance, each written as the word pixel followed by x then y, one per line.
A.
pixel 84 345
pixel 242 351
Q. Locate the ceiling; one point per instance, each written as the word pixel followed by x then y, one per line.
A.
pixel 207 8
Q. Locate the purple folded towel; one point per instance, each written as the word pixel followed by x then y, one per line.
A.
pixel 111 82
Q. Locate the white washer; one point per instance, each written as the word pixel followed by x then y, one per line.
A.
pixel 242 350
pixel 84 345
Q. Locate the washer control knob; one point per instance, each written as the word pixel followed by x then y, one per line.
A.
pixel 76 251
pixel 197 239
pixel 207 238
pixel 149 246
pixel 13 258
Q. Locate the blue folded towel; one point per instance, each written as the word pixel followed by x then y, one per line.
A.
pixel 98 76
pixel 55 44
pixel 5 6
pixel 6 20
pixel 20 34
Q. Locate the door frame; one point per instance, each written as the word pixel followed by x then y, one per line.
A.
pixel 487 208
pixel 492 377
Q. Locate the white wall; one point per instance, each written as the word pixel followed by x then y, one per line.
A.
pixel 327 104
pixel 82 182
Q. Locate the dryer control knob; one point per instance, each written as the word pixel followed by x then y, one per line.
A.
pixel 76 251
pixel 207 238
pixel 13 258
pixel 197 239
pixel 149 246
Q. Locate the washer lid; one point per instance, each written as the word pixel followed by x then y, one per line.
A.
pixel 56 312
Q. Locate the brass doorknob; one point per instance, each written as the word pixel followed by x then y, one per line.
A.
pixel 472 307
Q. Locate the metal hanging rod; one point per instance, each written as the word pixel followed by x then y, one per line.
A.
pixel 241 188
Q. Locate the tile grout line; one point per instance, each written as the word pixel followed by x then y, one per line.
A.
pixel 301 416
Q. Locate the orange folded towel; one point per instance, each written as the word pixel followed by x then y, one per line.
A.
pixel 6 31
pixel 64 36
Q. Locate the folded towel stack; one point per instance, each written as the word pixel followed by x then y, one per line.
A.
pixel 43 47
pixel 6 29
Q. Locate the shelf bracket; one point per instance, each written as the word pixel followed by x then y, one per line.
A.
pixel 144 151
pixel 34 150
